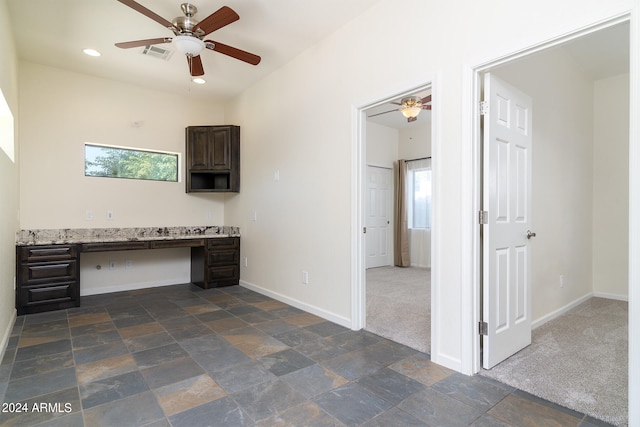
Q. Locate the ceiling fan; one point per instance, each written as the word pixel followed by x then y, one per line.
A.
pixel 189 34
pixel 410 107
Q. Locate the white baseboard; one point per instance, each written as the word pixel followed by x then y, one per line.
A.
pixel 130 286
pixel 332 317
pixel 559 312
pixel 452 363
pixel 611 296
pixel 562 310
pixel 7 334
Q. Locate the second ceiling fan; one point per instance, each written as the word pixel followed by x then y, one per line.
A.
pixel 189 33
pixel 410 107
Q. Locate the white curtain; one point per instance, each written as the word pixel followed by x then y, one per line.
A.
pixel 419 235
pixel 420 247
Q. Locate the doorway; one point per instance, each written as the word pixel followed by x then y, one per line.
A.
pixel 395 300
pixel 580 183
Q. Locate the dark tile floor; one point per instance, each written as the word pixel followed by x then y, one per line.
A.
pixel 183 356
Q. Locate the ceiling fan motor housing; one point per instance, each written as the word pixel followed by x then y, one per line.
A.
pixel 187 22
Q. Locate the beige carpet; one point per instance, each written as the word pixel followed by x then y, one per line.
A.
pixel 399 305
pixel 579 360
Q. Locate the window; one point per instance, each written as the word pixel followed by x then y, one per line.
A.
pixel 6 128
pixel 419 193
pixel 132 163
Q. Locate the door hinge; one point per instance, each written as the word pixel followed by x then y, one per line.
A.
pixel 483 328
pixel 484 107
pixel 483 217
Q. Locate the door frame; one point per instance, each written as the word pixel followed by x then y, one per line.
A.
pixel 471 175
pixel 358 202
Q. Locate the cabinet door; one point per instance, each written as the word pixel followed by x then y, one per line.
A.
pixel 220 146
pixel 199 152
pixel 209 147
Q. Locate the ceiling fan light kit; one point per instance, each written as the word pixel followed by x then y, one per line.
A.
pixel 411 107
pixel 188 33
pixel 189 45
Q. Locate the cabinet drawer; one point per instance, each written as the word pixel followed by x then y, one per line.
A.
pixel 223 243
pixel 230 258
pixel 179 243
pixel 224 276
pixel 47 293
pixel 42 272
pixel 113 246
pixel 47 253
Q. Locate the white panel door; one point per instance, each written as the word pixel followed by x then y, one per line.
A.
pixel 507 145
pixel 378 236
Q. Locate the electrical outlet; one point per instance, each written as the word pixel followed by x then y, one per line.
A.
pixel 112 265
pixel 562 280
pixel 246 262
pixel 128 264
pixel 276 175
pixel 208 216
pixel 88 215
pixel 305 277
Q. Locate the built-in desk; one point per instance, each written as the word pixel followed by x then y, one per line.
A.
pixel 48 261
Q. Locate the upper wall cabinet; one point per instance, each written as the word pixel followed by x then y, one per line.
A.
pixel 213 158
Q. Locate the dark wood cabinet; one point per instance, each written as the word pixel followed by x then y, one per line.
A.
pixel 213 158
pixel 48 278
pixel 217 263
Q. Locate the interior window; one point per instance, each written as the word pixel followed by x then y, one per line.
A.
pixel 133 163
pixel 419 193
pixel 6 128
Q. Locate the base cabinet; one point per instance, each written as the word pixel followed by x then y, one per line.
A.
pixel 47 278
pixel 217 263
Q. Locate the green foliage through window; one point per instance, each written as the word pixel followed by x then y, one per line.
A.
pixel 115 162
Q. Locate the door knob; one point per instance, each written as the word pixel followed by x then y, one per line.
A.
pixel 530 234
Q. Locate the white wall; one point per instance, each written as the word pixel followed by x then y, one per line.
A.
pixel 305 219
pixel 9 198
pixel 60 112
pixel 382 145
pixel 611 188
pixel 415 141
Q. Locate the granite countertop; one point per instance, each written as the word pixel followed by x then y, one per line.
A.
pixel 101 235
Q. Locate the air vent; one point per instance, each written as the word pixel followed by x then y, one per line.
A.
pixel 157 52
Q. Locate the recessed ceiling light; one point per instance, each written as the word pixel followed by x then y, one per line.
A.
pixel 199 80
pixel 91 52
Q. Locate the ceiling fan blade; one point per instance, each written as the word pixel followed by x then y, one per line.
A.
pixel 233 52
pixel 426 99
pixel 147 42
pixel 385 112
pixel 195 66
pixel 218 19
pixel 411 119
pixel 149 14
